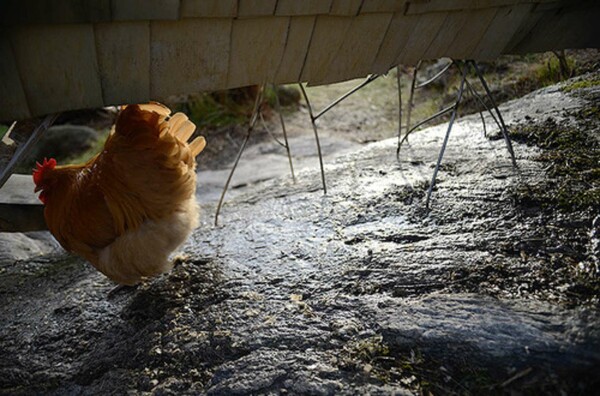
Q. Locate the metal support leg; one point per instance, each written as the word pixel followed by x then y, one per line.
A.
pixel 410 103
pixel 485 106
pixel 314 118
pixel 497 117
pixel 24 147
pixel 450 124
pixel 251 125
pixel 285 138
pixel 313 121
pixel 504 129
pixel 398 74
pixel 426 120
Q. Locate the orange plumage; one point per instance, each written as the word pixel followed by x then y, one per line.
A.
pixel 133 204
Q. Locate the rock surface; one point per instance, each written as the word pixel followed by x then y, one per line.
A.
pixel 62 142
pixel 361 291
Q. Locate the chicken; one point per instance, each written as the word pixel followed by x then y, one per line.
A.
pixel 129 207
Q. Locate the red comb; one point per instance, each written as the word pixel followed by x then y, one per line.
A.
pixel 39 170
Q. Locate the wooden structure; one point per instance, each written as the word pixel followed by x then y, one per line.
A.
pixel 58 55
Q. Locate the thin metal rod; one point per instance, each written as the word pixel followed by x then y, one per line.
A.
pixel 26 146
pixel 269 131
pixel 367 81
pixel 414 128
pixel 285 138
pixel 474 95
pixel 253 120
pixel 480 99
pixel 314 125
pixel 314 118
pixel 450 124
pixel 412 96
pixel 504 129
pixel 398 73
pixel 438 75
pixel 483 123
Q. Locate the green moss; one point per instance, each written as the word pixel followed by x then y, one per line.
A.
pixel 590 113
pixel 207 110
pixel 581 85
pixel 573 164
pixel 551 72
pixel 3 130
pixel 223 108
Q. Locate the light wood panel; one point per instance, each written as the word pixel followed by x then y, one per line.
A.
pixel 299 35
pixel 358 50
pixel 14 103
pixel 188 56
pixel 257 46
pixel 58 67
pixel 123 76
pixel 328 36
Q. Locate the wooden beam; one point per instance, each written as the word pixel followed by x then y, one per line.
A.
pixel 304 7
pixel 252 8
pixel 299 35
pixel 125 78
pixel 69 76
pixel 257 46
pixel 357 51
pixel 328 36
pixel 145 10
pixel 208 8
pixel 188 56
pixel 425 31
pixel 13 101
pixel 396 37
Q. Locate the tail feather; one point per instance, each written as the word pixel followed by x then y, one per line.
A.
pixel 197 145
pixel 156 107
pixel 181 127
pixel 152 118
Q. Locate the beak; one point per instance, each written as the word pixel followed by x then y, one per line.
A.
pixel 37 188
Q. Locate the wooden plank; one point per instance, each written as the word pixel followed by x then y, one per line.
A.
pixel 358 50
pixel 296 47
pixel 143 10
pixel 328 36
pixel 573 27
pixel 398 33
pixel 429 6
pixel 464 44
pixel 548 5
pixel 425 31
pixel 522 31
pixel 257 46
pixel 378 6
pixel 346 7
pixel 501 30
pixel 208 8
pixel 13 103
pixel 453 25
pixel 304 7
pixel 189 55
pixel 69 76
pixel 252 8
pixel 123 50
pixel 17 12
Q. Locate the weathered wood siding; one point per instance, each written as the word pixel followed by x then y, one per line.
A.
pixel 58 55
